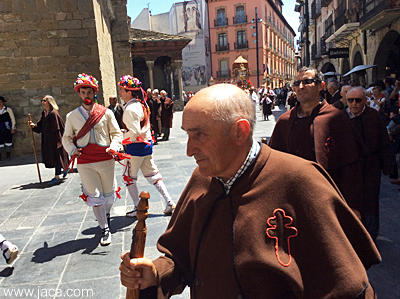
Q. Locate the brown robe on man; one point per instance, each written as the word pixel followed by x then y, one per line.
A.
pixel 372 130
pixel 283 231
pixel 328 138
pixel 155 114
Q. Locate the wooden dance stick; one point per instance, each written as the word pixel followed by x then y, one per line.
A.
pixel 34 149
pixel 139 236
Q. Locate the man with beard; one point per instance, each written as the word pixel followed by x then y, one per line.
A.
pixel 91 133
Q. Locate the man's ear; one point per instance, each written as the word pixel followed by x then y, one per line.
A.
pixel 242 131
pixel 322 87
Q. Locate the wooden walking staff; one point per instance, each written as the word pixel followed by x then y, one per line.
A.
pixel 34 149
pixel 139 236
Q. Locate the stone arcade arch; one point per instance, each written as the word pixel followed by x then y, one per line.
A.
pixel 140 70
pixel 387 57
pixel 328 67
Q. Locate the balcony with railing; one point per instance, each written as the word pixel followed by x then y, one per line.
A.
pixel 315 9
pixel 340 15
pixel 223 74
pixel 325 3
pixel 375 14
pixel 240 19
pixel 329 26
pixel 324 50
pixel 222 47
pixel 220 22
pixel 243 45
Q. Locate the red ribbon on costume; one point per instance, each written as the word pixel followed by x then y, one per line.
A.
pixel 117 192
pixel 128 180
pixel 84 197
pixel 119 156
pixel 126 141
pixel 139 139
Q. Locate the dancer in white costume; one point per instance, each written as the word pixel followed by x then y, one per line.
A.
pixel 137 135
pixel 91 135
pixel 10 251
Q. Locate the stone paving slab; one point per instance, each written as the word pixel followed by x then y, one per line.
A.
pixel 58 235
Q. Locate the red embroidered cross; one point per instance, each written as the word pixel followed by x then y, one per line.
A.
pixel 330 145
pixel 84 197
pixel 281 231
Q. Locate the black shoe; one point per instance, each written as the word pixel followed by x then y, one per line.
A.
pixel 105 237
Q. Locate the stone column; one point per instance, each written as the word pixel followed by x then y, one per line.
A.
pixel 150 65
pixel 177 64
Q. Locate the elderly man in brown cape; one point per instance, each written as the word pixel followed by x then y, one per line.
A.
pixel 318 132
pixel 371 127
pixel 253 222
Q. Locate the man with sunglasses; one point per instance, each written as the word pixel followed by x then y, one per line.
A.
pixel 371 127
pixel 316 131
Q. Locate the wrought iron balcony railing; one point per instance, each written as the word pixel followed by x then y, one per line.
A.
pixel 244 45
pixel 220 48
pixel 240 19
pixel 220 22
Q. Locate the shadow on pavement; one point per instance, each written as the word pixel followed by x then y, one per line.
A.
pixel 42 185
pixel 7 272
pixel 46 253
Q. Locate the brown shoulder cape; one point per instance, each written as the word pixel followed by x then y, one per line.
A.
pixel 284 230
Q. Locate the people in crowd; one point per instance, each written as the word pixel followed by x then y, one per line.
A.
pixel 292 100
pixel 7 128
pixel 51 126
pixel 254 98
pixel 93 150
pixel 10 251
pixel 154 103
pixel 252 222
pixel 333 89
pixel 395 95
pixel 117 109
pixel 137 121
pixel 342 103
pixel 318 132
pixel 167 114
pixel 372 130
pixel 267 102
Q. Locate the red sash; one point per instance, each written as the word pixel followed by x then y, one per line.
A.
pixel 94 117
pixel 93 153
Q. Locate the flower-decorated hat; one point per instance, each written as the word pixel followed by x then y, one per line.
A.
pixel 84 80
pixel 130 83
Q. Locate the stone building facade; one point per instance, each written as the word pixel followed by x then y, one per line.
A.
pixel 46 44
pixel 367 31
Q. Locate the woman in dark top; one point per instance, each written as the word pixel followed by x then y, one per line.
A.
pixel 51 126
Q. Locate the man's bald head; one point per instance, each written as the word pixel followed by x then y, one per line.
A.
pixel 225 103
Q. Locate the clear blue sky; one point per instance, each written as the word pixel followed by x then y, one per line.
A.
pixel 162 6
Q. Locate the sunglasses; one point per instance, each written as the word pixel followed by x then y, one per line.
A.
pixel 305 82
pixel 351 100
pixel 44 101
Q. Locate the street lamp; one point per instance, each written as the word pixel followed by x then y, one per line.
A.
pixel 256 20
